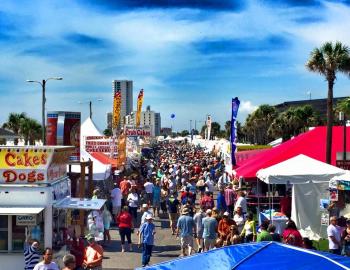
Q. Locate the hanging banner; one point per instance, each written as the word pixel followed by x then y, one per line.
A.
pixel 139 108
pixel 116 109
pixel 121 159
pixel 235 106
pixel 209 126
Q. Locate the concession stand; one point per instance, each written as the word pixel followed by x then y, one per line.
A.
pixel 34 188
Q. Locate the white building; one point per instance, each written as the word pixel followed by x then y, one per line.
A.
pixel 126 88
pixel 148 118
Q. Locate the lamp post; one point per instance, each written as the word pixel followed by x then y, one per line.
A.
pixel 90 105
pixel 43 85
pixel 342 118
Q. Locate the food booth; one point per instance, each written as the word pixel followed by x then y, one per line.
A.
pixel 33 180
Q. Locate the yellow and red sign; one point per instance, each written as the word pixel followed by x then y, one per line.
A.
pixel 22 165
pixel 117 100
pixel 139 108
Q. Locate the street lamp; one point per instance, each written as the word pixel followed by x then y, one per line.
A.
pixel 90 105
pixel 43 84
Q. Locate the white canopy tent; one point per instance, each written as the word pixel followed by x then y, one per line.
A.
pixel 310 179
pixel 101 171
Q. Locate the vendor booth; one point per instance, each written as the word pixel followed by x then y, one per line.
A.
pixel 310 179
pixel 35 194
pixel 252 256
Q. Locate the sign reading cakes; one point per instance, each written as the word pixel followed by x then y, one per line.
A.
pixel 137 131
pixel 25 165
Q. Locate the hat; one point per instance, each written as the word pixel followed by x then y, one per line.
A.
pixel 226 214
pixel 90 237
pixel 149 216
pixel 145 205
pixel 185 211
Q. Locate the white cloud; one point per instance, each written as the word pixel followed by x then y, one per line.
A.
pixel 247 107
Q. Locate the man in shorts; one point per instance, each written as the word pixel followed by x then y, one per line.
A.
pixel 185 226
pixel 209 231
pixel 116 196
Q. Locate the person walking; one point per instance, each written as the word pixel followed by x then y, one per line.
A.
pixel 146 238
pixel 230 198
pixel 116 196
pixel 93 254
pixel 185 227
pixel 149 191
pixel 198 218
pixel 156 198
pixel 125 227
pixel 173 207
pixel 133 201
pixel 346 238
pixel 209 230
pixel 239 218
pixel 334 236
pixel 241 202
pixel 31 253
pixel 220 201
pixel 46 263
pixel 69 262
pixel 146 211
pixel 107 219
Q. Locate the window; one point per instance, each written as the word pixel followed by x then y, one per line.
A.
pixel 3 233
pixel 18 235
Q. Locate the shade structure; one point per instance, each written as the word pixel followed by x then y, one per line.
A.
pixel 311 143
pixel 23 210
pixel 299 170
pixel 263 255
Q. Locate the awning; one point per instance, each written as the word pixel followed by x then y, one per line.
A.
pixel 25 210
pixel 83 204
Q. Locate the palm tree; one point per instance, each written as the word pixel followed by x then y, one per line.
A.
pixel 14 122
pixel 30 130
pixel 327 61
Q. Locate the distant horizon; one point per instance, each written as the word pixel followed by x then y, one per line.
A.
pixel 190 57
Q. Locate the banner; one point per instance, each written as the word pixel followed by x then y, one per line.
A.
pixel 235 106
pixel 139 108
pixel 209 126
pixel 116 109
pixel 121 159
pixel 137 131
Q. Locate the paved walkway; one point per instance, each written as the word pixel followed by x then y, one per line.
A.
pixel 166 248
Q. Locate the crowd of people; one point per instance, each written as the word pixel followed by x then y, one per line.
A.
pixel 205 206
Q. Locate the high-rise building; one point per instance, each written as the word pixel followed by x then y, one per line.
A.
pixel 126 89
pixel 148 118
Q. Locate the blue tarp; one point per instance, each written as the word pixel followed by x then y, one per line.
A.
pixel 257 256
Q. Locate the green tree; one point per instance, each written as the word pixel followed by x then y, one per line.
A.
pixel 344 106
pixel 30 130
pixel 14 121
pixel 228 129
pixel 215 130
pixel 258 123
pixel 184 133
pixel 327 61
pixel 107 132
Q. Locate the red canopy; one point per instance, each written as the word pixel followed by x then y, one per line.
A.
pixel 103 158
pixel 311 143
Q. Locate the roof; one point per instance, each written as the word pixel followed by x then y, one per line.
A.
pixel 298 170
pixel 252 256
pixel 5 133
pixel 311 143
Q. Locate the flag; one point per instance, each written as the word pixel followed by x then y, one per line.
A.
pixel 121 159
pixel 235 106
pixel 139 107
pixel 116 109
pixel 208 126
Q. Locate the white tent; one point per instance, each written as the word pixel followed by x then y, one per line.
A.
pixel 310 180
pixel 101 171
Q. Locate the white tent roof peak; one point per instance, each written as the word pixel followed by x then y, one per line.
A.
pixel 297 170
pixel 88 128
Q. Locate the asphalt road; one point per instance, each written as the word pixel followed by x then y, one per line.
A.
pixel 166 248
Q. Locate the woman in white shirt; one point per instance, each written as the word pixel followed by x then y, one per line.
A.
pixel 133 200
pixel 239 219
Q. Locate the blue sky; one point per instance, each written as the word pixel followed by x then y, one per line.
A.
pixel 191 57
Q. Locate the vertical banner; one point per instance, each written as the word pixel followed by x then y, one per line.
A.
pixel 116 109
pixel 208 126
pixel 235 106
pixel 139 107
pixel 121 160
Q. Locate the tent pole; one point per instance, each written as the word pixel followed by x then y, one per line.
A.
pixel 268 194
pixel 258 194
